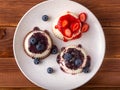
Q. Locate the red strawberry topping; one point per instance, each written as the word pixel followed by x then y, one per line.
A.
pixel 64 23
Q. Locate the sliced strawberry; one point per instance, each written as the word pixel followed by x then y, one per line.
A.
pixel 85 27
pixel 83 17
pixel 67 32
pixel 75 26
pixel 64 23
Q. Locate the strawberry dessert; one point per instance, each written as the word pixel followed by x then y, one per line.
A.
pixel 69 26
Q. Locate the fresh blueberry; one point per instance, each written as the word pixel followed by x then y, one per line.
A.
pixel 50 70
pixel 67 56
pixel 36 61
pixel 86 69
pixel 78 62
pixel 45 17
pixel 40 47
pixel 33 41
pixel 54 50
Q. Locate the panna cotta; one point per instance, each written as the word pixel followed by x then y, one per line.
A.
pixel 73 60
pixel 37 43
pixel 69 26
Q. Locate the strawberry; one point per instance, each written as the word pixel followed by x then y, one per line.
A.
pixel 75 26
pixel 64 23
pixel 85 27
pixel 67 32
pixel 83 17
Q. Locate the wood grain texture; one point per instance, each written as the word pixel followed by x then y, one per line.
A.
pixel 82 88
pixel 11 76
pixel 10 11
pixel 107 12
pixel 6 41
pixel 102 79
pixel 112 36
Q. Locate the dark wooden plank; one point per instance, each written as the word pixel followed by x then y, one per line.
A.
pixel 14 79
pixel 6 41
pixel 98 88
pixel 108 75
pixel 105 79
pixel 11 76
pixel 82 88
pixel 23 88
pixel 12 10
pixel 107 11
pixel 109 65
pixel 112 36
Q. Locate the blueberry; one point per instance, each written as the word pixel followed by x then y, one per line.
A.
pixel 67 56
pixel 50 70
pixel 33 41
pixel 54 50
pixel 45 17
pixel 36 61
pixel 40 47
pixel 86 69
pixel 78 62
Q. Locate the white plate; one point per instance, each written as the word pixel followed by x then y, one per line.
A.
pixel 93 41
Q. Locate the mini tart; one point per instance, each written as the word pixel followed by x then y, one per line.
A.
pixel 59 28
pixel 40 36
pixel 76 52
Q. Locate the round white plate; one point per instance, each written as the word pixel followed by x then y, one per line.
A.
pixel 93 41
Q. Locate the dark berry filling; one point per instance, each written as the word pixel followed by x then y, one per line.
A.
pixel 38 43
pixel 58 59
pixel 79 45
pixel 87 66
pixel 73 58
pixel 36 28
pixel 86 70
pixel 62 48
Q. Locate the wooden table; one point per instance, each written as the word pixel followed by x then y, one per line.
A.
pixel 108 13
